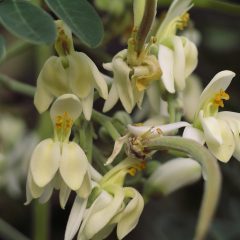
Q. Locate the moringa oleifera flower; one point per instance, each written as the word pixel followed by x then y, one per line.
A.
pixel 70 72
pixel 59 163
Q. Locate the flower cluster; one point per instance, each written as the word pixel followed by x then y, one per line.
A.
pixel 162 67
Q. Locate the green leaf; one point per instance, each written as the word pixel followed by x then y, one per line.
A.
pixel 27 21
pixel 2 48
pixel 81 17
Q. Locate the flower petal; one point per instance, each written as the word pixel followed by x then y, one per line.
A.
pixel 166 61
pixel 112 98
pixel 173 175
pixel 75 218
pixel 161 129
pixel 122 78
pixel 101 218
pixel 64 194
pixel 86 186
pixel 219 138
pixel 220 81
pixel 194 134
pixel 66 103
pixel 117 148
pixel 179 63
pixel 87 105
pixel 130 215
pixel 45 162
pixel 73 165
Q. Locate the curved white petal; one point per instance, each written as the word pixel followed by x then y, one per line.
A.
pixel 42 98
pixel 194 134
pixel 191 56
pixel 86 186
pixel 161 129
pixel 64 194
pixel 112 98
pixel 166 62
pixel 87 105
pixel 73 165
pixel 123 84
pixel 80 74
pixel 220 81
pixel 45 162
pixel 219 138
pixel 130 215
pixel 117 148
pixel 173 175
pixel 75 218
pixel 177 9
pixel 179 63
pixel 47 193
pixel 66 103
pixel 101 218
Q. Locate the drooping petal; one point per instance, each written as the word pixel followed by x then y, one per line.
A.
pixel 179 63
pixel 122 78
pixel 73 165
pixel 45 162
pixel 86 186
pixel 117 148
pixel 191 56
pixel 219 138
pixel 194 134
pixel 112 98
pixel 75 218
pixel 66 103
pixel 166 61
pixel 80 74
pixel 220 81
pixel 47 193
pixel 130 215
pixel 161 129
pixel 42 98
pixel 173 175
pixel 64 194
pixel 102 201
pixel 87 105
pixel 101 218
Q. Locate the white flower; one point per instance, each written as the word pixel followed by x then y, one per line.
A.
pixel 73 73
pixel 220 130
pixel 115 206
pixel 58 163
pixel 130 82
pixel 177 56
pixel 172 175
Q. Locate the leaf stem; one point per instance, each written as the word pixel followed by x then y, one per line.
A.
pixel 16 86
pixel 210 170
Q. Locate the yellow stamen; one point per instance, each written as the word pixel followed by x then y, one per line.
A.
pixel 63 122
pixel 219 97
pixel 183 21
pixel 137 167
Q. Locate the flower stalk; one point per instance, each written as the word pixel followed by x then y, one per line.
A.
pixel 211 173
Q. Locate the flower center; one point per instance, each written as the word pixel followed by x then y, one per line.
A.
pixel 183 21
pixel 63 125
pixel 138 167
pixel 219 97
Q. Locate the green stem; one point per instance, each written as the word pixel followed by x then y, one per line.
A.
pixel 210 169
pixel 15 49
pixel 41 220
pixel 146 24
pixel 16 86
pixel 8 232
pixel 106 122
pixel 171 108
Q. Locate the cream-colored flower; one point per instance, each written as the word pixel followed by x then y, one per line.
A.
pixel 71 72
pixel 220 130
pixel 58 163
pixel 110 206
pixel 130 82
pixel 172 175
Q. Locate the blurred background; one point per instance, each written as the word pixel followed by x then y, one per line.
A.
pixel 166 218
